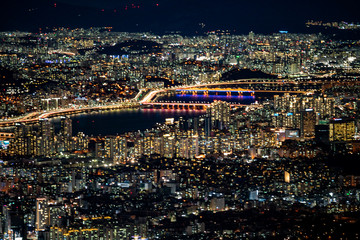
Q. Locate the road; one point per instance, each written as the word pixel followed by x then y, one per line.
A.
pixel 147 100
pixel 36 116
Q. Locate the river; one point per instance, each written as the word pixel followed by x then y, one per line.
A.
pixel 122 121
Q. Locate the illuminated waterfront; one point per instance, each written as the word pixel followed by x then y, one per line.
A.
pixel 128 120
pixel 125 120
pixel 85 152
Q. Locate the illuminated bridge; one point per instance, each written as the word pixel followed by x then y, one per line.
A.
pixel 214 91
pixel 150 99
pixel 184 106
pixel 36 116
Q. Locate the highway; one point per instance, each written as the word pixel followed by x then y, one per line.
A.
pixel 205 87
pixel 147 100
pixel 36 116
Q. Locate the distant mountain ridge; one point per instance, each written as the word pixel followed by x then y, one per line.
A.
pixel 190 17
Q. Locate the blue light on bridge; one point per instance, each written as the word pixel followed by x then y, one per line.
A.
pixel 213 96
pixel 217 90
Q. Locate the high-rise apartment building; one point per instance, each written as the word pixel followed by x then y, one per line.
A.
pixel 219 112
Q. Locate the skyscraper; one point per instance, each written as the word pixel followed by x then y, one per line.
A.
pixel 42 214
pixel 342 129
pixel 307 123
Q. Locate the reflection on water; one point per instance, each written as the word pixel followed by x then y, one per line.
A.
pixel 234 98
pixel 129 120
pixel 124 120
pixel 209 98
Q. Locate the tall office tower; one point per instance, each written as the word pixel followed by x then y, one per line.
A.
pixel 307 123
pixel 42 214
pixel 66 133
pixel 219 112
pixel 341 129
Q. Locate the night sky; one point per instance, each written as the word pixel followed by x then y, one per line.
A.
pixel 261 16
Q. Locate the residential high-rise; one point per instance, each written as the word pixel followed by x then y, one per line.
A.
pixel 66 133
pixel 169 146
pixel 66 126
pixel 207 126
pixel 219 112
pixel 46 137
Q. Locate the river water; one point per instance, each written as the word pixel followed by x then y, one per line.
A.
pixel 129 120
pixel 123 120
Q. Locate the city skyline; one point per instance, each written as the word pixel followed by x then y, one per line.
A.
pixel 189 120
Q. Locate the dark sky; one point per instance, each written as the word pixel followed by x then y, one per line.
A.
pixel 261 16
